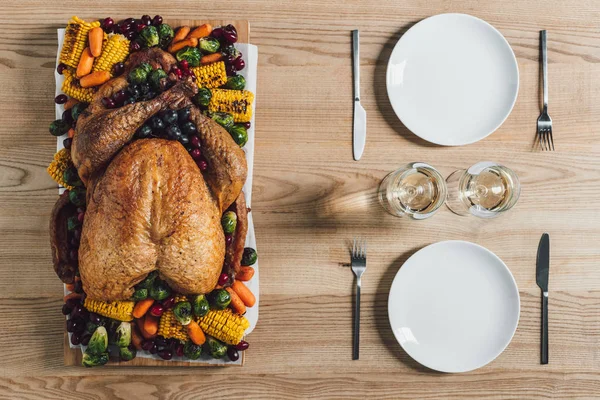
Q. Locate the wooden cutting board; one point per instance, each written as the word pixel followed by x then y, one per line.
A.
pixel 73 356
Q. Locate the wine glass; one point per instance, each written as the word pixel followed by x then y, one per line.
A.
pixel 485 190
pixel 417 190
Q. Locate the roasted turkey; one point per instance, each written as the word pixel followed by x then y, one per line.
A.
pixel 148 205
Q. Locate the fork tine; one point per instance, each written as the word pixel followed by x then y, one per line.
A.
pixel 365 248
pixel 545 136
pixel 551 139
pixel 354 249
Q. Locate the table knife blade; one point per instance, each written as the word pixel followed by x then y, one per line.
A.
pixel 359 133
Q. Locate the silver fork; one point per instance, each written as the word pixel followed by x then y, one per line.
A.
pixel 544 122
pixel 359 265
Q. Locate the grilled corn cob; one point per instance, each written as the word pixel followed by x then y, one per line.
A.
pixel 71 88
pixel 210 75
pixel 115 49
pixel 224 325
pixel 235 102
pixel 169 327
pixel 121 310
pixel 76 35
pixel 58 166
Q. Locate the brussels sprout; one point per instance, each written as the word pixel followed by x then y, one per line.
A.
pixel 239 134
pixel 77 109
pixel 202 98
pixel 90 327
pixel 192 350
pixel 71 177
pixel 183 312
pixel 223 119
pixel 215 348
pixel 237 82
pixel 208 45
pixel 77 197
pixel 140 294
pixel 146 67
pixel 73 223
pixel 157 79
pixel 123 334
pixel 111 328
pixel 127 353
pixel 165 35
pixel 98 342
pixel 148 281
pixel 160 291
pixel 93 360
pixel 249 257
pixel 229 222
pixel 59 127
pixel 138 75
pixel 220 299
pixel 191 54
pixel 200 305
pixel 149 36
pixel 231 51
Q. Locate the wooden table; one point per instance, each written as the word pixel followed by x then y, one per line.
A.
pixel 310 199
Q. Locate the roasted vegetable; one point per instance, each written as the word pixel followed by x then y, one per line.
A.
pixel 249 257
pixel 208 45
pixel 244 293
pixel 59 127
pixel 200 305
pixel 148 37
pixel 76 35
pixel 219 299
pixel 160 291
pixel 73 223
pixel 231 51
pixel 191 54
pixel 237 82
pixel 99 341
pixel 77 197
pixel 165 35
pixel 169 327
pixel 73 89
pixel 123 334
pixel 77 109
pixel 236 102
pixel 183 312
pixel 191 350
pixel 229 222
pixel 215 348
pixel 140 294
pixel 157 79
pixel 195 333
pixel 239 134
pixel 139 74
pixel 119 310
pixel 202 98
pixel 127 353
pixel 210 76
pixel 223 119
pixel 93 360
pixel 58 166
pixel 115 50
pixel 71 177
pixel 224 325
pixel 148 281
pixel 95 79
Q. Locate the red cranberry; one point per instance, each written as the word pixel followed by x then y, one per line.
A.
pixel 168 303
pixel 67 143
pixel 124 28
pixel 108 102
pixel 118 68
pixel 75 339
pixel 80 217
pixel 61 68
pixel 228 240
pixel 119 97
pixel 147 345
pixel 203 165
pixel 179 350
pixel 184 65
pixel 85 339
pixel 233 354
pixel 217 33
pixel 61 99
pixel 129 21
pixel 165 354
pixel 239 64
pixel 247 125
pixel 77 235
pixel 134 46
pixel 154 349
pixel 195 142
pixel 140 27
pixel 80 210
pixel 157 310
pixel 157 20
pixel 230 28
pixel 230 37
pixel 147 20
pixel 160 341
pixel 231 71
pixel 130 35
pixel 223 279
pixel 107 23
pixel 196 154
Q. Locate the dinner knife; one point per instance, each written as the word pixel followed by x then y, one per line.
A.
pixel 542 273
pixel 359 135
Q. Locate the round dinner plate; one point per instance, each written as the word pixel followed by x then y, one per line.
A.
pixel 454 306
pixel 452 79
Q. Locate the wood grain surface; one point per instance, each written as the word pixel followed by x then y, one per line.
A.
pixel 310 199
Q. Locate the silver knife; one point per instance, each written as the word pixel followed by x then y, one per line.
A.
pixel 359 136
pixel 542 275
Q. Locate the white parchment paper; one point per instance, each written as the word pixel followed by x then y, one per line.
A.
pixel 250 55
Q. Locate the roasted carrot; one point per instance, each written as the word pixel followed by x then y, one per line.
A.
pixel 70 103
pixel 151 324
pixel 196 334
pixel 245 274
pixel 236 304
pixel 201 31
pixel 211 58
pixel 70 287
pixel 181 34
pixel 136 338
pixel 72 295
pixel 174 47
pixel 142 307
pixel 85 63
pixel 94 79
pixel 244 293
pixel 96 37
pixel 71 133
pixel 140 324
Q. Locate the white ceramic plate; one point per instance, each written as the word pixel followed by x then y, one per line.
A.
pixel 452 79
pixel 454 306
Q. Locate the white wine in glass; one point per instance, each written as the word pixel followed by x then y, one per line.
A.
pixel 416 190
pixel 485 190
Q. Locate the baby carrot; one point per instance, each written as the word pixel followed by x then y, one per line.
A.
pixel 151 324
pixel 211 58
pixel 72 295
pixel 201 31
pixel 192 42
pixel 70 103
pixel 141 307
pixel 245 274
pixel 71 133
pixel 96 37
pixel 94 79
pixel 85 63
pixel 236 304
pixel 244 293
pixel 181 34
pixel 70 287
pixel 140 324
pixel 136 338
pixel 196 334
